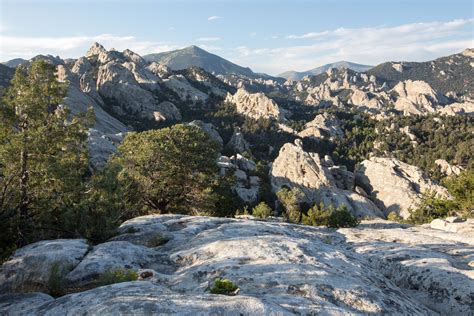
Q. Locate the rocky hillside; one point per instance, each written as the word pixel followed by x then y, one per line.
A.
pixel 451 75
pixel 295 75
pixel 372 93
pixel 378 268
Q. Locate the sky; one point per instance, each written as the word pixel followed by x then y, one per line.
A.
pixel 267 36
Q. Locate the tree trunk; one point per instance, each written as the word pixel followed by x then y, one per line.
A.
pixel 23 225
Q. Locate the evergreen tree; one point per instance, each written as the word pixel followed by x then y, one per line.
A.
pixel 43 156
pixel 171 170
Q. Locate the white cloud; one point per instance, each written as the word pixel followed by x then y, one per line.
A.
pixel 368 45
pixel 308 35
pixel 214 17
pixel 74 46
pixel 208 39
pixel 253 34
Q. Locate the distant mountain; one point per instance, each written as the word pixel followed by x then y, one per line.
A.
pixel 452 73
pixel 15 62
pixel 295 75
pixel 194 56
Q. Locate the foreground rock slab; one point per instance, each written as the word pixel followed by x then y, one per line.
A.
pixel 379 267
pixel 30 268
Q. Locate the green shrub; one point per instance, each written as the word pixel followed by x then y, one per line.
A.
pixel 317 216
pixel 431 207
pixel 224 286
pixel 117 275
pixel 394 217
pixel 156 241
pixel 290 199
pixel 262 210
pixel 461 187
pixel 340 217
pixel 56 283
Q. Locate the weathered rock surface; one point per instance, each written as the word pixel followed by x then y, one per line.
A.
pixel 238 143
pixel 296 168
pixel 394 185
pixel 434 267
pixel 209 129
pixel 379 267
pixel 458 108
pixel 321 125
pixel 117 83
pixel 416 97
pixel 255 105
pixel 447 168
pixel 22 303
pixel 454 225
pixel 30 267
pixel 102 146
pixel 180 85
pixel 246 186
pixel 167 110
pixel 107 256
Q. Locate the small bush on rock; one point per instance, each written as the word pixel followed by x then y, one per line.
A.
pixel 342 218
pixel 394 217
pixel 290 199
pixel 56 284
pixel 225 287
pixel 331 217
pixel 262 210
pixel 117 275
pixel 429 208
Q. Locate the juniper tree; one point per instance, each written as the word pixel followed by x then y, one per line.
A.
pixel 170 170
pixel 43 154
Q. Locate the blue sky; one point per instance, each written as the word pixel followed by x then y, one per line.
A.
pixel 268 36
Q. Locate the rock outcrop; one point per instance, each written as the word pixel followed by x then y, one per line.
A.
pixel 379 267
pixel 238 143
pixel 209 129
pixel 395 186
pixel 167 110
pixel 458 108
pixel 416 97
pixel 296 168
pixel 186 92
pixel 119 87
pixel 323 125
pixel 447 168
pixel 247 186
pixel 255 105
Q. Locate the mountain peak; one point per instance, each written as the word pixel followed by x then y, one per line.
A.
pixel 469 52
pixel 195 49
pixel 95 49
pixel 195 56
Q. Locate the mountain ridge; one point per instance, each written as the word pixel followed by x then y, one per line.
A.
pixel 298 75
pixel 193 55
